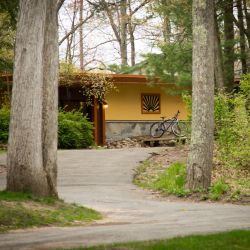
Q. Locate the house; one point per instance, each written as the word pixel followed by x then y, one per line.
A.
pixel 132 108
pixel 138 103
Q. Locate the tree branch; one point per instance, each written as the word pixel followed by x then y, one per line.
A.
pixel 76 27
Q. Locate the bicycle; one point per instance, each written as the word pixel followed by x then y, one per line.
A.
pixel 172 125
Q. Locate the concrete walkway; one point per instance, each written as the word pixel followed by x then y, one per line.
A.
pixel 102 179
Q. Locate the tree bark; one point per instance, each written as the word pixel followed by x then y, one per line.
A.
pixel 218 69
pixel 242 37
pixel 50 97
pixel 247 16
pixel 201 150
pixel 81 37
pixel 131 35
pixel 31 159
pixel 124 23
pixel 229 43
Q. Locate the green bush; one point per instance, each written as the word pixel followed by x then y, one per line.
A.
pixel 74 130
pixel 232 125
pixel 4 124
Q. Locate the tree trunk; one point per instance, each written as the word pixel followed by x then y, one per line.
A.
pixel 218 69
pixel 132 43
pixel 247 15
pixel 229 43
pixel 31 160
pixel 81 36
pixel 201 151
pixel 123 37
pixel 131 34
pixel 50 97
pixel 242 37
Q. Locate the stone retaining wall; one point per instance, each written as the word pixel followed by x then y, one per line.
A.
pixel 118 130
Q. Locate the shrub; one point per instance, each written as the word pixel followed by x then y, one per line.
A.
pixel 232 125
pixel 4 124
pixel 74 130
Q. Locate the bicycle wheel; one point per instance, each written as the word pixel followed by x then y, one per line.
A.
pixel 179 129
pixel 157 129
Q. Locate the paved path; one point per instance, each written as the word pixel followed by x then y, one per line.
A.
pixel 101 179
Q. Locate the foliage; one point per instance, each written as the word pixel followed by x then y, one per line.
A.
pixel 173 63
pixel 233 240
pixel 4 124
pixel 93 85
pixel 232 120
pixel 119 69
pixel 74 130
pixel 232 125
pixel 22 210
pixel 7 35
pixel 10 8
pixel 8 16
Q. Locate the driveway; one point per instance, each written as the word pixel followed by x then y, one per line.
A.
pixel 102 179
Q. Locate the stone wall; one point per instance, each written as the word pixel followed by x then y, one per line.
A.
pixel 118 130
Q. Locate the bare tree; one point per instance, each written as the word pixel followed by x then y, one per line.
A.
pixel 201 152
pixel 81 53
pixel 32 151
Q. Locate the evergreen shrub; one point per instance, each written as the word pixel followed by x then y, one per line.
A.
pixel 74 130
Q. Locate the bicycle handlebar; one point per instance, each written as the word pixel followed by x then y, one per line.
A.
pixel 177 113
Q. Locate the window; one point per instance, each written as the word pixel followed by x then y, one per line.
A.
pixel 150 104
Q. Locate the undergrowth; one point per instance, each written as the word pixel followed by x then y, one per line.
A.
pixel 171 180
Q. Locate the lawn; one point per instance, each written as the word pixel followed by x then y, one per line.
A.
pixel 22 210
pixel 233 240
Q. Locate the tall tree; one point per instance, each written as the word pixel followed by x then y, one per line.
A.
pixel 32 151
pixel 81 54
pixel 218 60
pixel 201 150
pixel 229 55
pixel 242 37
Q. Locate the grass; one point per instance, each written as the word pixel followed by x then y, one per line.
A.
pixel 22 210
pixel 233 240
pixel 229 184
pixel 170 181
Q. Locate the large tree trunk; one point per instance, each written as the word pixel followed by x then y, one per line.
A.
pixel 31 160
pixel 229 43
pixel 201 150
